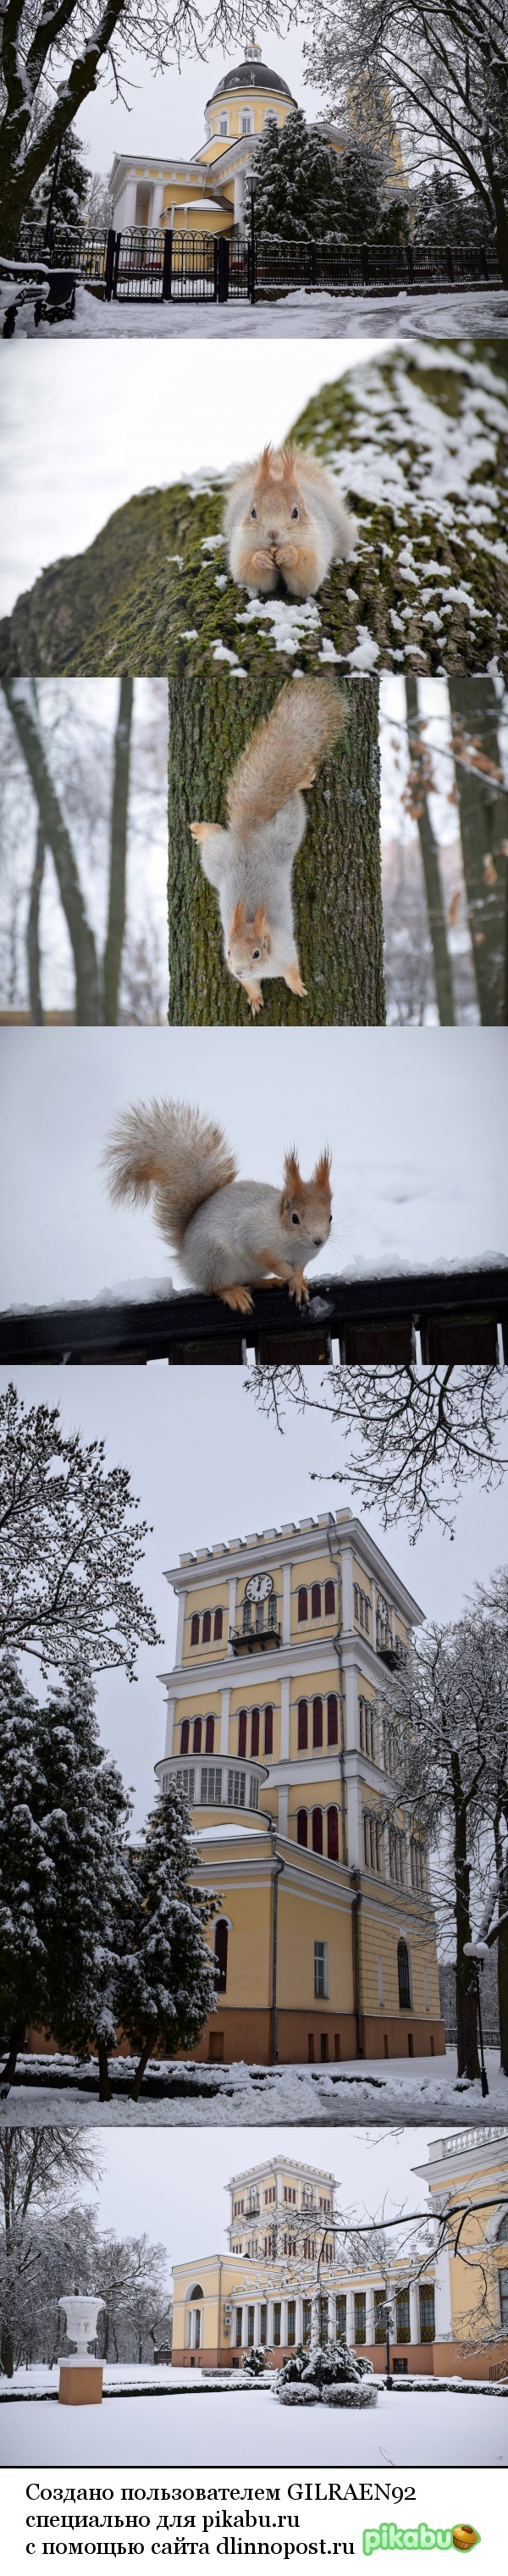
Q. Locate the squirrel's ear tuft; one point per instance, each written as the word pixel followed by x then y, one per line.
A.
pixel 321 1173
pixel 261 923
pixel 238 921
pixel 264 467
pixel 292 1173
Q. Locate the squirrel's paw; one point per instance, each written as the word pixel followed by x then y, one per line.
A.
pixel 255 997
pixel 294 980
pixel 239 1298
pixel 263 561
pixel 285 555
pixel 299 1290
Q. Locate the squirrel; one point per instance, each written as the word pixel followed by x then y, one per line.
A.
pixel 230 1233
pixel 251 864
pixel 284 516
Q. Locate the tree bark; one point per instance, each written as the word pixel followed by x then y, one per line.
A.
pixel 118 855
pixel 104 2083
pixel 468 2062
pixel 430 863
pixel 483 808
pixel 337 875
pixel 6 2350
pixel 17 2039
pixel 146 2052
pixel 88 1011
pixel 32 936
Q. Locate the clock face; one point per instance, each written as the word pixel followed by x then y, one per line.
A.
pixel 258 1587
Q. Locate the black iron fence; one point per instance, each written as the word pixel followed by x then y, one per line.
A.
pixel 144 266
pixel 449 1317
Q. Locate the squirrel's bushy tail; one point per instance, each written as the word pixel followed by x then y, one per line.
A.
pixel 166 1146
pixel 307 718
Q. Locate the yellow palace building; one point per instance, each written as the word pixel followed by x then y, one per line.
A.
pixel 207 193
pixel 325 1942
pixel 266 2290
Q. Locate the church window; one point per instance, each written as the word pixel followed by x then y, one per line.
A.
pixel 302 1602
pixel 360 2316
pixel 340 2319
pixel 268 1730
pixel 207 1627
pixel 317 1829
pixel 223 125
pixel 320 1970
pixel 184 1745
pixel 427 2313
pixel 301 1826
pixel 242 1731
pixel 333 1720
pixel 254 1739
pixel 209 1734
pixel 397 1856
pixel 196 1735
pixel 317 1724
pixel 372 1842
pixel 194 1632
pixel 302 1726
pixel 333 1833
pixel 316 1601
pixel 329 1600
pixel 217 1624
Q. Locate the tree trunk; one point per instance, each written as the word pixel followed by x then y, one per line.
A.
pixel 483 807
pixel 430 862
pixel 6 2350
pixel 146 2052
pixel 502 1980
pixel 468 2062
pixel 58 838
pixel 104 2083
pixel 17 2039
pixel 337 875
pixel 118 855
pixel 32 935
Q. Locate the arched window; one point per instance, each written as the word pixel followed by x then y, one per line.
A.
pixel 301 1826
pixel 221 1956
pixel 403 1977
pixel 302 1726
pixel 502 2230
pixel 254 1733
pixel 317 1829
pixel 317 1724
pixel 209 1734
pixel 329 1600
pixel 333 1720
pixel 302 1602
pixel 185 1736
pixel 268 1730
pixel 207 1627
pixel 194 1629
pixel 242 1731
pixel 316 1601
pixel 217 1624
pixel 333 1833
pixel 196 1735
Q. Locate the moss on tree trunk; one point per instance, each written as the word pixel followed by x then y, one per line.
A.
pixel 419 442
pixel 337 876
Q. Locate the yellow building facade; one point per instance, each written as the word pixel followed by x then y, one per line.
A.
pixel 286 2278
pixel 208 193
pixel 277 1730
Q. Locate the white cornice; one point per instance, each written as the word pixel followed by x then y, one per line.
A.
pixel 284 1547
pixel 300 1659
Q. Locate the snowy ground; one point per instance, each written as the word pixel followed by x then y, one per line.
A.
pixel 479 311
pixel 248 2428
pixel 412 2092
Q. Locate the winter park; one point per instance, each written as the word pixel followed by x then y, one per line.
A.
pixel 377 198
pixel 342 2292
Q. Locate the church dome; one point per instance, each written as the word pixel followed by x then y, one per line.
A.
pixel 250 74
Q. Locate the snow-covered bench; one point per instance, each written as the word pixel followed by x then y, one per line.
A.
pixel 52 291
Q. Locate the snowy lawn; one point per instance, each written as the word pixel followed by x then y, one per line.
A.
pixel 477 311
pixel 249 2429
pixel 409 2092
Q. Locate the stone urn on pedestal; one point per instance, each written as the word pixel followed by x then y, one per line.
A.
pixel 80 2372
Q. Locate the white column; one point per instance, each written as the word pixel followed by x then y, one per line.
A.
pixel 170 1719
pixel 350 2319
pixel 232 1606
pixel 245 2322
pixel 347 1589
pixel 351 1699
pixel 283 1811
pixel 414 2311
pixel 286 1606
pixel 224 1722
pixel 284 1719
pixel 128 205
pixel 157 202
pixel 442 2295
pixel 180 1624
pixel 373 1590
pixel 354 1809
pixel 369 2313
pixel 239 197
pixel 299 2320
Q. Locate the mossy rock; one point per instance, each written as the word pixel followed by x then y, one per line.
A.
pixel 418 439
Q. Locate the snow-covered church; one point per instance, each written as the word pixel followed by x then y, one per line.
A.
pixel 208 193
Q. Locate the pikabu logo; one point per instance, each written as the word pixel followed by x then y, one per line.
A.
pixel 390 2535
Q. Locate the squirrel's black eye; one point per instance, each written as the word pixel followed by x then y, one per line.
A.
pixel 253 514
pixel 294 514
pixel 295 1220
pixel 256 953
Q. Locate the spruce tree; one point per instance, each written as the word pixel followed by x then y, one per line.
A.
pixel 298 194
pixel 71 191
pixel 444 214
pixel 27 1879
pixel 62 1870
pixel 167 1984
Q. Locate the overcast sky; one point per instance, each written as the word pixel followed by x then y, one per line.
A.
pixel 83 425
pixel 160 2181
pixel 207 1465
pixel 418 1168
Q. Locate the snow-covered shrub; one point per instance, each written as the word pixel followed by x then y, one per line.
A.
pixel 293 2368
pixel 299 2395
pixel 350 2393
pixel 254 2362
pixel 307 2377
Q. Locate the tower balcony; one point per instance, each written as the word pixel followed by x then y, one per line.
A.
pixel 258 1632
pixel 225 1784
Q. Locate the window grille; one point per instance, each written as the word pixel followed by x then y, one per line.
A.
pixel 403 1977
pixel 236 1788
pixel 427 2313
pixel 186 1781
pixel 403 2317
pixel 320 1970
pixel 360 2314
pixel 276 2321
pixel 211 1786
pixel 340 2318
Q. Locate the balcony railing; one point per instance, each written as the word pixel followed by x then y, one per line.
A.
pixel 230 1784
pixel 454 1317
pixel 248 1641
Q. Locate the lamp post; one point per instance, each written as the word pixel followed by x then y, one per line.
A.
pixel 251 185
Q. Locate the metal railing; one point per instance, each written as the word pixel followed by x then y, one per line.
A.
pixel 158 266
pixel 447 1317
